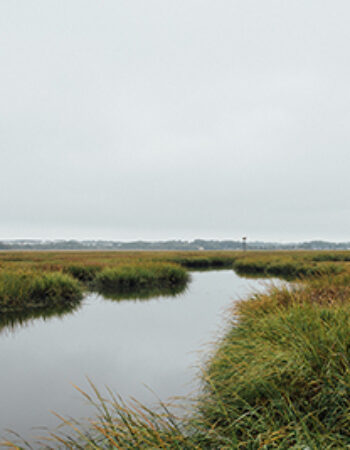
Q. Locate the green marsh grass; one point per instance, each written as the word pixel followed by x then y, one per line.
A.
pixel 27 290
pixel 205 261
pixel 118 272
pixel 333 256
pixel 279 378
pixel 140 277
pixel 283 266
pixel 84 273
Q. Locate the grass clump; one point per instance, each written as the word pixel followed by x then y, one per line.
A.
pixel 84 273
pixel 140 277
pixel 25 290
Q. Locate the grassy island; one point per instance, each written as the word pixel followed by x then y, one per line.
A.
pixel 128 278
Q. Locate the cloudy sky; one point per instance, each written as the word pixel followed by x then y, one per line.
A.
pixel 157 119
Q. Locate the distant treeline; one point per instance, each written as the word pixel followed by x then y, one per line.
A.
pixel 197 244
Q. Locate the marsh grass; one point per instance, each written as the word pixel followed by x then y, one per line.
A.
pixel 206 261
pixel 279 377
pixel 84 273
pixel 28 290
pixel 333 256
pixel 45 279
pixel 117 424
pixel 285 267
pixel 139 278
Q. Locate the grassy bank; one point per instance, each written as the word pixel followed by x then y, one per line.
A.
pixel 287 265
pixel 280 378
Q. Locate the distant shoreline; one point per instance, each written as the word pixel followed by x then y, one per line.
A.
pixel 195 245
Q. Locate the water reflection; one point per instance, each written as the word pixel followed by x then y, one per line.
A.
pixel 12 321
pixel 145 293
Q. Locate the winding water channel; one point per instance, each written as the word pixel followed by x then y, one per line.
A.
pixel 126 345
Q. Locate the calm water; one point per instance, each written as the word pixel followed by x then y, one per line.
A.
pixel 126 345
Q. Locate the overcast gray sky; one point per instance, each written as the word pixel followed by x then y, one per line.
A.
pixel 157 119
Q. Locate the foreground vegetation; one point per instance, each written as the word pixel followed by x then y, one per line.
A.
pixel 279 378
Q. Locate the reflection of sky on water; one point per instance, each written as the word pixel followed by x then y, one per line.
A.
pixel 124 345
